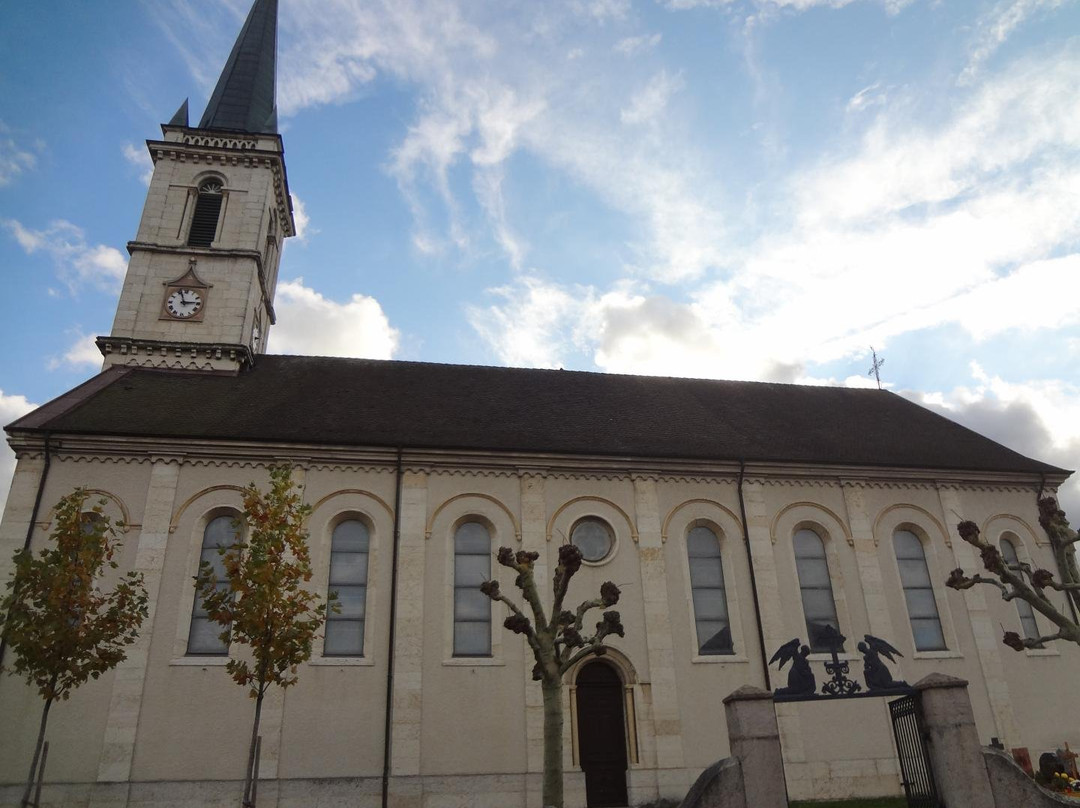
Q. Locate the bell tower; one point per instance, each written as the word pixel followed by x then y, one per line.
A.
pixel 199 289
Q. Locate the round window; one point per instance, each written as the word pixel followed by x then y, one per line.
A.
pixel 593 537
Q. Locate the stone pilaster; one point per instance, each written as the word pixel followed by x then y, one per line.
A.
pixel 667 722
pixel 533 525
pixel 409 637
pixel 986 631
pixel 125 702
pixel 761 548
pixel 866 557
pixel 18 511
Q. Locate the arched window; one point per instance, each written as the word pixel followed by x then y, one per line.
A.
pixel 204 221
pixel 204 636
pixel 472 608
pixel 918 592
pixel 819 607
pixel 1027 614
pixel 710 595
pixel 348 578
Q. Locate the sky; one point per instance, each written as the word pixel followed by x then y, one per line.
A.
pixel 736 189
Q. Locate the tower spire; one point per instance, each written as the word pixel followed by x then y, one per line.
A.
pixel 244 99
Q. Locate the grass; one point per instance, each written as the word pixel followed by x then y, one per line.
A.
pixel 867 802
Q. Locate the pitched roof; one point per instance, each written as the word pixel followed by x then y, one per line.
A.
pixel 244 98
pixel 358 402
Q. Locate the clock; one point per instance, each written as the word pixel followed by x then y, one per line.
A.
pixel 183 304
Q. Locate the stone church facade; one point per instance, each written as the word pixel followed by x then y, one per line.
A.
pixel 733 516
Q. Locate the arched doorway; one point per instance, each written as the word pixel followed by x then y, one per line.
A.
pixel 601 734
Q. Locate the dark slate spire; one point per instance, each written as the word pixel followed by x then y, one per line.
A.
pixel 181 116
pixel 244 99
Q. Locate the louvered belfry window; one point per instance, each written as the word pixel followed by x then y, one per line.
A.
pixel 204 222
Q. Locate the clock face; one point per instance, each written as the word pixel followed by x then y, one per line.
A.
pixel 184 303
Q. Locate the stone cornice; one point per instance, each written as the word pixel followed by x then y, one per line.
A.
pixel 148 353
pixel 512 464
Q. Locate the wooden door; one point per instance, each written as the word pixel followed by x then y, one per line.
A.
pixel 602 735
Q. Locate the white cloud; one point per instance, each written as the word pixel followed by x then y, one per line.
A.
pixel 79 263
pixel 140 158
pixel 634 45
pixel 1038 418
pixel 649 102
pixel 997 25
pixel 870 96
pixel 892 6
pixel 83 353
pixel 601 10
pixel 300 217
pixel 11 407
pixel 311 325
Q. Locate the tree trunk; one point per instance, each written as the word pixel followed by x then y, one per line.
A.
pixel 552 796
pixel 37 751
pixel 248 799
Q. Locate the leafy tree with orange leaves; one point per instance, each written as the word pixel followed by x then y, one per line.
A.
pixel 264 606
pixel 62 627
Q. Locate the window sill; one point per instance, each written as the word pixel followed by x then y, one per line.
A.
pixel 946 654
pixel 717 659
pixel 200 662
pixel 473 662
pixel 341 661
pixel 1043 652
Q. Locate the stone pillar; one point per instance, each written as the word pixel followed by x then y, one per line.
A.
pixel 755 743
pixel 125 703
pixel 955 752
pixel 986 630
pixel 667 722
pixel 409 636
pixel 866 556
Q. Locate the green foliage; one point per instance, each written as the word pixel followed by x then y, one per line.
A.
pixel 62 627
pixel 264 606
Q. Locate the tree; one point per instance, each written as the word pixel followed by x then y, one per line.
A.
pixel 1021 581
pixel 264 606
pixel 556 644
pixel 62 627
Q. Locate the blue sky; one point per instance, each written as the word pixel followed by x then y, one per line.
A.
pixel 748 189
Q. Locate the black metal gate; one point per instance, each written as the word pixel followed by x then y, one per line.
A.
pixel 915 768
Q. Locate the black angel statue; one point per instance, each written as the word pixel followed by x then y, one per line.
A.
pixel 800 681
pixel 875 672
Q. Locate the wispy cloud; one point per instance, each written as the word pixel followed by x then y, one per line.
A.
pixel 16 158
pixel 635 45
pixel 82 354
pixel 997 25
pixel 78 262
pixel 140 159
pixel 649 102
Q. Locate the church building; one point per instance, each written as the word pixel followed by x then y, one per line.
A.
pixel 734 517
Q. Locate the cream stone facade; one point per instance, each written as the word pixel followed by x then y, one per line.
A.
pixel 407 722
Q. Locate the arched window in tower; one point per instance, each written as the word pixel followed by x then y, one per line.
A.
pixel 1027 614
pixel 709 593
pixel 819 606
pixel 472 608
pixel 204 635
pixel 204 221
pixel 918 592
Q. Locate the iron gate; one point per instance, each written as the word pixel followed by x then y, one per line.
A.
pixel 915 768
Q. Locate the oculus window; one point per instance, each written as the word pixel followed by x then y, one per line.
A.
pixel 593 537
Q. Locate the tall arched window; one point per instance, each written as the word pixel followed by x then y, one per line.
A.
pixel 348 578
pixel 918 592
pixel 472 608
pixel 1027 614
pixel 204 221
pixel 204 636
pixel 709 593
pixel 819 607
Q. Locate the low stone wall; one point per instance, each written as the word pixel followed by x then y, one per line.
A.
pixel 1012 787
